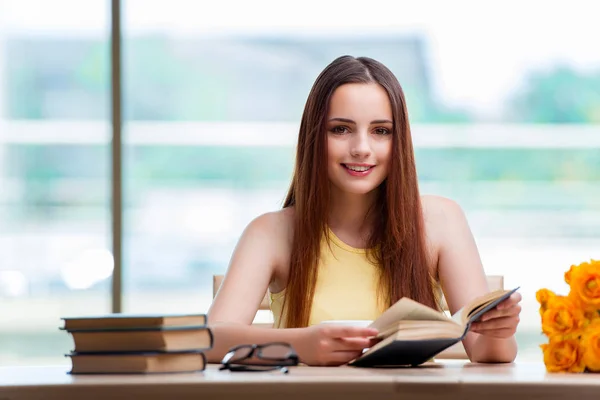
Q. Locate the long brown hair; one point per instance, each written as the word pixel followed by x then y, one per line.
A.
pixel 398 228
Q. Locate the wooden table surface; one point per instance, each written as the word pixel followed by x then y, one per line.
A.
pixel 447 380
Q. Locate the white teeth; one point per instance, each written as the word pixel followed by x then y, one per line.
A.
pixel 357 168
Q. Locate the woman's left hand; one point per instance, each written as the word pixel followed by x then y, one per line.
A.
pixel 502 321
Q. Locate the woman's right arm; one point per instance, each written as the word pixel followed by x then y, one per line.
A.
pixel 250 272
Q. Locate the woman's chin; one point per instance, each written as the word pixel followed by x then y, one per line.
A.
pixel 358 190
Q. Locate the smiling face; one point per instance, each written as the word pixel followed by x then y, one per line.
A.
pixel 359 137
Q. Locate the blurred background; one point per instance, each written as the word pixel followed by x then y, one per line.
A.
pixel 504 99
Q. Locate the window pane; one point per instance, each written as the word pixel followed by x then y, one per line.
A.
pixel 54 166
pixel 505 124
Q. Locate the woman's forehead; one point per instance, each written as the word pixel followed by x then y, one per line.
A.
pixel 360 102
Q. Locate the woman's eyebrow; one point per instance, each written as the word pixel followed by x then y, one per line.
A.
pixel 346 120
pixel 382 121
pixel 349 121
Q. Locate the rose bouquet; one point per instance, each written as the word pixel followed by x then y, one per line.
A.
pixel 572 322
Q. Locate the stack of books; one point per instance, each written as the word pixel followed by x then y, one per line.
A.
pixel 122 343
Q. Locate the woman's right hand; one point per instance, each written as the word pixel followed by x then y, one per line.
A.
pixel 329 345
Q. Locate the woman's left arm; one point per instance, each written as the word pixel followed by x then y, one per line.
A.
pixel 462 277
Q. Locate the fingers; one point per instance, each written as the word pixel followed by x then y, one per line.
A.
pixel 502 321
pixel 342 357
pixel 501 312
pixel 511 302
pixel 497 333
pixel 351 344
pixel 496 324
pixel 349 331
pixel 514 299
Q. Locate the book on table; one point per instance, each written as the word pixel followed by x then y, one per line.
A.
pixel 137 362
pixel 133 320
pixel 412 333
pixel 126 343
pixel 169 338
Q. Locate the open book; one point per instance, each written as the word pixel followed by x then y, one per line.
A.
pixel 412 333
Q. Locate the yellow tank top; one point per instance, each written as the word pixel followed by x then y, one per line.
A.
pixel 346 289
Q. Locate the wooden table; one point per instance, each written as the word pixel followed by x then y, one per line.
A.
pixel 453 380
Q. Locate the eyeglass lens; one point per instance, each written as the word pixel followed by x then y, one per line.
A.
pixel 275 352
pixel 241 354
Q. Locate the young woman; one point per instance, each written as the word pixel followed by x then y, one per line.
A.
pixel 354 234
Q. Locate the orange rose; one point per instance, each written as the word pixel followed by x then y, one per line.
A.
pixel 569 273
pixel 584 280
pixel 562 317
pixel 590 343
pixel 563 355
pixel 542 296
pixel 591 315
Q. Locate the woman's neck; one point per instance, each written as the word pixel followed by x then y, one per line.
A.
pixel 347 213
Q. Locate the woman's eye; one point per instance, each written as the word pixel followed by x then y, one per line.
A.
pixel 339 129
pixel 382 131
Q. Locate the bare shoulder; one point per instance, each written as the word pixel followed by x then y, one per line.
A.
pixel 276 227
pixel 440 215
pixel 273 221
pixel 458 267
pixel 439 209
pixel 254 267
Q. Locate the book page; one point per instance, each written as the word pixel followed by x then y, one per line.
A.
pixel 442 331
pixel 407 309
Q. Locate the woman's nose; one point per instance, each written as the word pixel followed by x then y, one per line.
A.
pixel 360 146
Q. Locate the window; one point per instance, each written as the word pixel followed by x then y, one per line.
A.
pixel 54 174
pixel 504 122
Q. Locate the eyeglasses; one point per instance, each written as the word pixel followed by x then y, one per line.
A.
pixel 268 357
